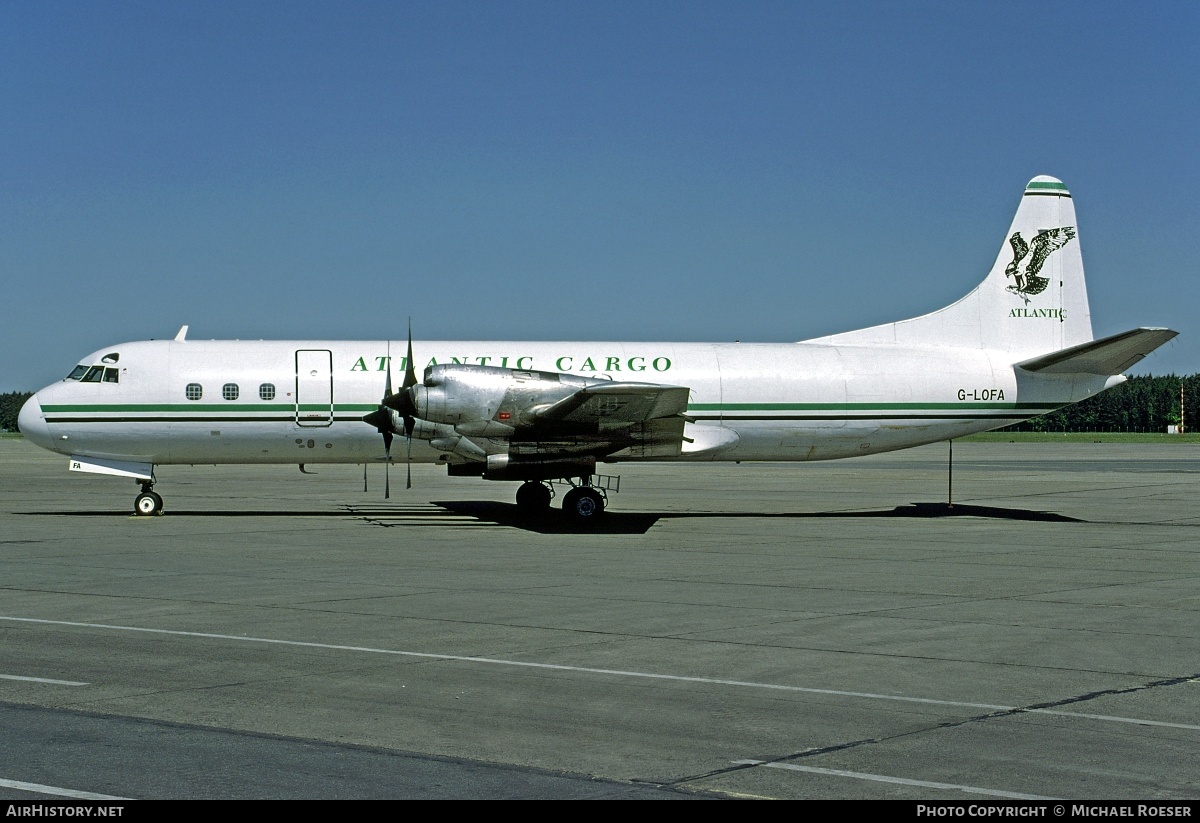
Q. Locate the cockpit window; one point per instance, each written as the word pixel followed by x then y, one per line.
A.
pixel 95 374
pixel 111 357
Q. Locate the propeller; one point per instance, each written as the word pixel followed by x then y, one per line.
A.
pixel 409 409
pixel 381 419
pixel 402 402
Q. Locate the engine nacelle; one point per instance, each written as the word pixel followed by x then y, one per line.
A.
pixel 487 400
pixel 455 394
pixel 507 467
pixel 427 430
pixel 462 446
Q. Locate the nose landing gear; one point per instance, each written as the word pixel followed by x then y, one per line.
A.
pixel 148 502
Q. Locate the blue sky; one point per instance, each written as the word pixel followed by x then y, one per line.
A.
pixel 576 170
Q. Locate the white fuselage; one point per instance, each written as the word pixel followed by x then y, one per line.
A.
pixel 193 401
pixel 1018 345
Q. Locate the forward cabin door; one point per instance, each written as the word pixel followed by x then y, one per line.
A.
pixel 314 387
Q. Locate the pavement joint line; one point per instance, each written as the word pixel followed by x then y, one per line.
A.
pixel 74 794
pixel 1007 710
pixel 42 680
pixel 881 778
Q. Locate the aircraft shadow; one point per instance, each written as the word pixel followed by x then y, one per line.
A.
pixel 474 513
pixel 555 522
pixel 195 513
pixel 965 510
pixel 442 515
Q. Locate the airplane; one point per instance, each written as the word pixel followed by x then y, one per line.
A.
pixel 550 413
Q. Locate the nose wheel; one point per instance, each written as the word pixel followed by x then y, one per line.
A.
pixel 147 503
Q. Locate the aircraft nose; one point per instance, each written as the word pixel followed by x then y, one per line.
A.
pixel 32 423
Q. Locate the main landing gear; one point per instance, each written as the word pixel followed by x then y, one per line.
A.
pixel 534 496
pixel 585 501
pixel 148 502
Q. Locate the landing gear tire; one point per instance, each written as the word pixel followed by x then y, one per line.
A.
pixel 147 504
pixel 533 497
pixel 583 504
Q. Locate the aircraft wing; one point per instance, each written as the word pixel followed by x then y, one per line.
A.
pixel 621 419
pixel 614 405
pixel 479 412
pixel 1106 356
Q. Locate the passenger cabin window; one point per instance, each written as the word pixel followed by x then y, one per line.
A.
pixel 230 391
pixel 266 391
pixel 194 391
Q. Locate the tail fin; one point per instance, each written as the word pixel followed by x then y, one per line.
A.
pixel 1033 300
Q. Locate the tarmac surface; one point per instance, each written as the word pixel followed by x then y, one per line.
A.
pixel 828 630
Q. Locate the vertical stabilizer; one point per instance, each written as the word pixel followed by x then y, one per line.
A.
pixel 1033 300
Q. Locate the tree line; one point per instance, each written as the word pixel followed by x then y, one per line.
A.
pixel 10 407
pixel 1140 404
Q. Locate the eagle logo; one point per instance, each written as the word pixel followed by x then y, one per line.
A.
pixel 1026 281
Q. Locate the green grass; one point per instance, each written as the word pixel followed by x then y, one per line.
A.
pixel 1082 437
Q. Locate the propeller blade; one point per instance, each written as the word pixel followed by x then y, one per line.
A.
pixel 410 374
pixel 381 418
pixel 404 404
pixel 387 384
pixel 387 463
pixel 402 401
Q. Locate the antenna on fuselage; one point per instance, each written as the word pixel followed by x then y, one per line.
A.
pixel 179 338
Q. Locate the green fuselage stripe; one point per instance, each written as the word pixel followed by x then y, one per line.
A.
pixel 243 408
pixel 715 412
pixel 731 407
pixel 193 408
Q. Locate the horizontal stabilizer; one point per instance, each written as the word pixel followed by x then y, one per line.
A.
pixel 1107 356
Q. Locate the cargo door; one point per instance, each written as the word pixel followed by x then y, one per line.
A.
pixel 314 387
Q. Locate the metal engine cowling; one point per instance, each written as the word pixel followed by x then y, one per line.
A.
pixel 509 467
pixel 473 396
